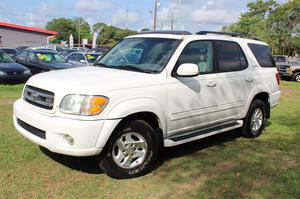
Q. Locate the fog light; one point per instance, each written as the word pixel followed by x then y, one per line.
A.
pixel 69 139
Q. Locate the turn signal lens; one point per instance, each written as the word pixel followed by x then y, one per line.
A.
pixel 88 105
pixel 94 105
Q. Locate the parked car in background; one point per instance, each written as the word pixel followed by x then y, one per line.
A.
pixel 41 60
pixel 99 49
pixel 82 59
pixel 10 51
pixel 56 47
pixel 281 59
pixel 20 48
pixel 66 52
pixel 11 72
pixel 83 49
pixel 290 71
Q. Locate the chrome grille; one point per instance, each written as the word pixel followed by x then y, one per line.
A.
pixel 39 97
pixel 283 69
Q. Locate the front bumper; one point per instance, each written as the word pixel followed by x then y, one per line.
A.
pixel 85 134
pixel 14 78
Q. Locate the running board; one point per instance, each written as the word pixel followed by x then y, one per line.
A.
pixel 198 134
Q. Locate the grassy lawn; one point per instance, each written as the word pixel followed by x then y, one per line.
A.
pixel 222 166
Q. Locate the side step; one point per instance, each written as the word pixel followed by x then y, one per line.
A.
pixel 198 134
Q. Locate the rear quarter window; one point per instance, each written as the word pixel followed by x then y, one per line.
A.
pixel 263 55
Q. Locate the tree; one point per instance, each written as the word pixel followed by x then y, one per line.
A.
pixel 110 35
pixel 65 27
pixel 276 24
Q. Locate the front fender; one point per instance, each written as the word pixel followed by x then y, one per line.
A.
pixel 137 105
pixel 126 108
pixel 255 90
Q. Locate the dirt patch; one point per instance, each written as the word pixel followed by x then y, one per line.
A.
pixel 290 164
pixel 226 165
pixel 262 181
pixel 6 101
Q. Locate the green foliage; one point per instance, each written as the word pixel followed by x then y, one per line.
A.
pixel 109 35
pixel 277 24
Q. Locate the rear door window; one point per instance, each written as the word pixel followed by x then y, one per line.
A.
pixel 263 55
pixel 229 57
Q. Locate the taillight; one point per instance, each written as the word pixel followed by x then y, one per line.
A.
pixel 278 78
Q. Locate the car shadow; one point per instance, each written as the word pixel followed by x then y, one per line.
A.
pixel 190 148
pixel 90 165
pixel 83 164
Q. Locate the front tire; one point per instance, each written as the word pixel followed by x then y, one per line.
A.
pixel 255 120
pixel 296 77
pixel 131 151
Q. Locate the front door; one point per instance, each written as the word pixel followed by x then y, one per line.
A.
pixel 193 101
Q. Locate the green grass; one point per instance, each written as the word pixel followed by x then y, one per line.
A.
pixel 222 166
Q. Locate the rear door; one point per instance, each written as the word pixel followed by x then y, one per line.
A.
pixel 231 65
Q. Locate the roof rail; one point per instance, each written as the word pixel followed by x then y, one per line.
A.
pixel 231 34
pixel 172 32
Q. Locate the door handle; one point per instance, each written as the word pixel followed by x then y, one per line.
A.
pixel 249 79
pixel 211 83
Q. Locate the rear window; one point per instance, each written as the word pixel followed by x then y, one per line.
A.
pixel 263 55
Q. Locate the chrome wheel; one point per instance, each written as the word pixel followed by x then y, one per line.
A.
pixel 256 120
pixel 129 150
pixel 297 78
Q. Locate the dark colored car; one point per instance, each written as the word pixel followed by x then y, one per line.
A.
pixel 99 49
pixel 21 48
pixel 82 58
pixel 10 51
pixel 41 60
pixel 66 52
pixel 11 72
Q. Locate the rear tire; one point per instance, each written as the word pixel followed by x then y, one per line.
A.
pixel 255 120
pixel 130 152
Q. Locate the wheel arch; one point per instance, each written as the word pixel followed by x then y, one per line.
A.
pixel 149 110
pixel 261 94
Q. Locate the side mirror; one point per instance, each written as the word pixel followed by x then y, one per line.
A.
pixel 187 70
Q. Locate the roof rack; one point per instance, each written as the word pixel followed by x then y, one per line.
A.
pixel 172 32
pixel 231 34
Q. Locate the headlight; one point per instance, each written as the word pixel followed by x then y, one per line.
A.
pixel 2 73
pixel 27 72
pixel 83 104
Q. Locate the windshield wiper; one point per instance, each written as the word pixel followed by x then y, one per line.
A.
pixel 134 68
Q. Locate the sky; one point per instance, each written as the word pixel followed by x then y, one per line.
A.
pixel 195 15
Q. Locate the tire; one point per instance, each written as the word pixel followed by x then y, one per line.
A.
pixel 296 77
pixel 254 122
pixel 125 155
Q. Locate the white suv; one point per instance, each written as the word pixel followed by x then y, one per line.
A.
pixel 151 90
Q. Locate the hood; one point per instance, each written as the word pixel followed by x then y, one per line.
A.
pixel 58 65
pixel 12 67
pixel 91 80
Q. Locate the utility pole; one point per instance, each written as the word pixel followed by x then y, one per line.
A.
pixel 172 21
pixel 155 13
pixel 180 14
pixel 126 25
pixel 78 32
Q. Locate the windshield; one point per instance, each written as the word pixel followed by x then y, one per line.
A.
pixel 140 54
pixel 4 58
pixel 47 57
pixel 293 63
pixel 279 59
